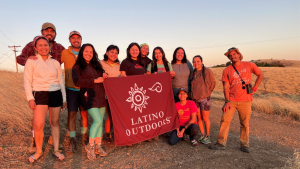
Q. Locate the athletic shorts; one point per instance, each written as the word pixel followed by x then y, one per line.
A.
pixel 50 98
pixel 203 104
pixel 73 100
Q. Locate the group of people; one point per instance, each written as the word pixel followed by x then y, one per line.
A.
pixel 83 89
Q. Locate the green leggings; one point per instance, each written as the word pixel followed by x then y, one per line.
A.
pixel 97 126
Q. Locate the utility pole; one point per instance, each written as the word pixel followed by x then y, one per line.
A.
pixel 15 55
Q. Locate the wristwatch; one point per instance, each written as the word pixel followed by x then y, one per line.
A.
pixel 226 101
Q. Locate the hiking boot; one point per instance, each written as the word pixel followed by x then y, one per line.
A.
pixel 217 146
pixel 99 150
pixel 90 151
pixel 72 145
pixel 108 138
pixel 206 140
pixel 194 143
pixel 245 149
pixel 32 148
pixel 84 139
pixel 201 138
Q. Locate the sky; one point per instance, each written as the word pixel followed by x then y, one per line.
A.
pixel 261 29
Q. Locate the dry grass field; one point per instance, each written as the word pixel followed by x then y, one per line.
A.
pixel 279 92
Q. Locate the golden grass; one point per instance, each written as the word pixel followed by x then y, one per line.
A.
pixel 279 92
pixel 15 113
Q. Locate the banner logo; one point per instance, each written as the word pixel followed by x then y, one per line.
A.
pixel 138 98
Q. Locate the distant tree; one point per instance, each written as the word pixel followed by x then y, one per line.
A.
pixel 228 63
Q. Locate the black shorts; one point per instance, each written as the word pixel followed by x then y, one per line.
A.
pixel 73 100
pixel 50 98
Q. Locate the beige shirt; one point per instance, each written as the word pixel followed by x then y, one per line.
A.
pixel 111 70
pixel 40 75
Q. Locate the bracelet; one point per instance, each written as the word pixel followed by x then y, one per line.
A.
pixel 227 101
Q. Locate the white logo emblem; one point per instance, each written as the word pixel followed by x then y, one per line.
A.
pixel 156 87
pixel 138 98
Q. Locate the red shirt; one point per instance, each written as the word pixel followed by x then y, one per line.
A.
pixel 29 50
pixel 185 112
pixel 236 92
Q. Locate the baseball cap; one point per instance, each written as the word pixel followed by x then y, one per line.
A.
pixel 74 33
pixel 48 25
pixel 182 89
pixel 233 49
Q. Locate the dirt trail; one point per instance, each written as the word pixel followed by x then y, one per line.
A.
pixel 272 141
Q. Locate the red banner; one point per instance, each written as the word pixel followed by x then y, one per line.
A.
pixel 142 107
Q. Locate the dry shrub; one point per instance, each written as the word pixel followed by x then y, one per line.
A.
pixel 275 105
pixel 293 163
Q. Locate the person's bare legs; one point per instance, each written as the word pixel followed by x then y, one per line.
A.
pixel 39 117
pixel 55 113
pixel 200 123
pixel 205 117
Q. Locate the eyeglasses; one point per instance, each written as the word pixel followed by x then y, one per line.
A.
pixel 231 49
pixel 182 93
pixel 145 48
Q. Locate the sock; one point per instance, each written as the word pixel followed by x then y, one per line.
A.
pixel 98 140
pixel 33 133
pixel 91 141
pixel 72 133
pixel 83 130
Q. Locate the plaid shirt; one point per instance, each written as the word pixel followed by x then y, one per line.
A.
pixel 29 50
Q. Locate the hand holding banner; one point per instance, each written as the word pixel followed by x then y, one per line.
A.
pixel 142 107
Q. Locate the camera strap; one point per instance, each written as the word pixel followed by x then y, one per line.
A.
pixel 237 73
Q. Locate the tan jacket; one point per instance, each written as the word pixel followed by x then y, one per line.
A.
pixel 40 75
pixel 69 59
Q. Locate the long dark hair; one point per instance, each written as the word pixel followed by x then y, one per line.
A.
pixel 154 60
pixel 203 68
pixel 139 57
pixel 184 60
pixel 94 61
pixel 111 47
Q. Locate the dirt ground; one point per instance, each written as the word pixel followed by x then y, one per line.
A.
pixel 272 142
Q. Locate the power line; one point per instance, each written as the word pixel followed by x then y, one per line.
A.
pixel 5 54
pixel 3 44
pixel 7 37
pixel 6 58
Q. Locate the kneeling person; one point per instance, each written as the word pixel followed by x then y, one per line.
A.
pixel 187 111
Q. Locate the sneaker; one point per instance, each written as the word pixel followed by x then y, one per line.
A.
pixel 84 139
pixel 32 148
pixel 206 140
pixel 90 152
pixel 217 146
pixel 99 150
pixel 245 149
pixel 185 137
pixel 72 145
pixel 201 138
pixel 194 143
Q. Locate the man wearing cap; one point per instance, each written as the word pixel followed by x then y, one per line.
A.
pixel 49 31
pixel 68 57
pixel 145 53
pixel 238 96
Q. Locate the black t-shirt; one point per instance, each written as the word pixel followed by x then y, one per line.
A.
pixel 146 61
pixel 132 67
